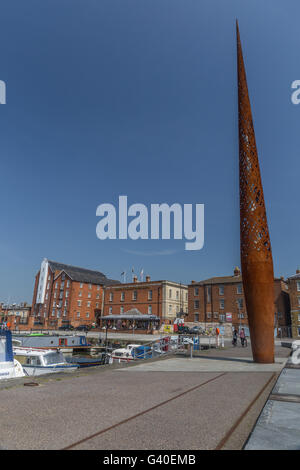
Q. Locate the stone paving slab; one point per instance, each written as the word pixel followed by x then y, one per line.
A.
pixel 208 364
pixel 278 428
pixel 288 382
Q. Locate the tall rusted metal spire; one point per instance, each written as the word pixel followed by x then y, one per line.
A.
pixel 256 254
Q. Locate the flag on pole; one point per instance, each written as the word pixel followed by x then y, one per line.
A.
pixel 142 274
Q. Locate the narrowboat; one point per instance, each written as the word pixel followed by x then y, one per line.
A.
pixel 42 341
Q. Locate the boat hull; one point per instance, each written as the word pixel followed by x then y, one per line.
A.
pixel 11 370
pixel 42 370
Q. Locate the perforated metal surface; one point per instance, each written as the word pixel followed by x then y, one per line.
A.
pixel 254 228
pixel 256 253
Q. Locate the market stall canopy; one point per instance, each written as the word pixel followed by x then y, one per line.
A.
pixel 132 314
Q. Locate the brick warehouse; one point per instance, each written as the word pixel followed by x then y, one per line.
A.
pixel 16 314
pixel 164 299
pixel 221 300
pixel 294 291
pixel 66 294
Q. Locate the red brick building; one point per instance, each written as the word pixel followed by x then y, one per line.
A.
pixel 164 299
pixel 221 300
pixel 294 292
pixel 16 314
pixel 65 294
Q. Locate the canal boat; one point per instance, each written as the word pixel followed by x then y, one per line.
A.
pixel 43 341
pixel 37 361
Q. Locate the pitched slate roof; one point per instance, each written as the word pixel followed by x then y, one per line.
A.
pixel 81 274
pixel 295 276
pixel 221 280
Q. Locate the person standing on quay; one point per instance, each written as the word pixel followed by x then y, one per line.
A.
pixel 242 337
pixel 234 338
pixel 218 337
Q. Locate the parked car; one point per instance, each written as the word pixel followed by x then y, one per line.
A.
pixel 195 330
pixel 82 328
pixel 66 327
pixel 185 330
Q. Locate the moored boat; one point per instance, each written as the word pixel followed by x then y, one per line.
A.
pixel 46 341
pixel 131 352
pixel 88 361
pixel 37 361
pixel 9 367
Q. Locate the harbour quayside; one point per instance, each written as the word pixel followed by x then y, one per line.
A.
pixel 9 367
pixel 42 361
pixel 46 341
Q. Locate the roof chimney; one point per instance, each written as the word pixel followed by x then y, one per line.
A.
pixel 237 271
pixel 298 271
pixel 135 279
pixel 148 278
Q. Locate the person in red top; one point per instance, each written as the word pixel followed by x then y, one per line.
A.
pixel 217 335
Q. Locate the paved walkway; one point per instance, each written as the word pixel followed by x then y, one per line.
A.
pixel 209 402
pixel 278 427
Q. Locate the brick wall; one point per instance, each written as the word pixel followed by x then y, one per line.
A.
pixel 206 302
pixel 294 295
pixel 147 294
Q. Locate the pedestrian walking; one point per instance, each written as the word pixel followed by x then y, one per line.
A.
pixel 242 337
pixel 234 337
pixel 217 336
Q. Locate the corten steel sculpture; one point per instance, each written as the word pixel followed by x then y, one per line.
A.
pixel 256 253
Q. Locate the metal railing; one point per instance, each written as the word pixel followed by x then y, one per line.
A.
pixel 167 345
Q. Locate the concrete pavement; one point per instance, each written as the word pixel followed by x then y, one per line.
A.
pixel 176 403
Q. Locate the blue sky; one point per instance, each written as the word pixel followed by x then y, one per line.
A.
pixel 112 97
